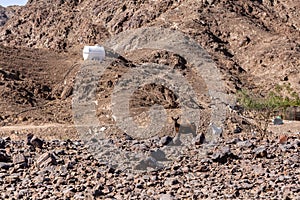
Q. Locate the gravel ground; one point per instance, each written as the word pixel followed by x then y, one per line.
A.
pixel 65 169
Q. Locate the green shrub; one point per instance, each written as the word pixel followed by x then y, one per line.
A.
pixel 263 107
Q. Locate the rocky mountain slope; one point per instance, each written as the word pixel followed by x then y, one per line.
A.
pixel 6 13
pixel 258 38
pixel 3 16
pixel 255 44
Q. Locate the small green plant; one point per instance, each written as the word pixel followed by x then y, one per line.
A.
pixel 263 107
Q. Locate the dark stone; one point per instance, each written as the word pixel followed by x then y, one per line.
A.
pixel 237 130
pixel 260 152
pixel 139 186
pixel 148 162
pixel 111 170
pixel 277 121
pixel 60 152
pixel 205 160
pixel 94 140
pixel 127 137
pixel 46 159
pixel 98 191
pixel 166 140
pixel 4 157
pixel 5 165
pixel 297 143
pixel 2 143
pixel 244 122
pixel 223 156
pixel 34 141
pixel 199 139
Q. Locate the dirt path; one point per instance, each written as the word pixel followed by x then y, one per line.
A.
pixel 288 127
pixel 46 131
pixel 28 127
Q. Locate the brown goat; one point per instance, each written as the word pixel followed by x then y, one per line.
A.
pixel 184 129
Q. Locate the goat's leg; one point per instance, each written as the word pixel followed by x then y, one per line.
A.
pixel 194 134
pixel 176 139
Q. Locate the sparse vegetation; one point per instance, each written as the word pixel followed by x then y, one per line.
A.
pixel 263 107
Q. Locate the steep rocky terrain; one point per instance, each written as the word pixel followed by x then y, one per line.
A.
pixel 3 16
pixel 242 36
pixel 255 44
pixel 6 13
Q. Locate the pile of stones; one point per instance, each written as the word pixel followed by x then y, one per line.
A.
pixel 65 169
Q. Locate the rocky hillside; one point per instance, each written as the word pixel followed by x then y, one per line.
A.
pixel 6 13
pixel 252 41
pixel 255 44
pixel 3 16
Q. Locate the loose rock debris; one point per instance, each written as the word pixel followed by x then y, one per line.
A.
pixel 66 169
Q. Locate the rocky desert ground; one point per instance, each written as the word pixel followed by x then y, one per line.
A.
pixel 254 45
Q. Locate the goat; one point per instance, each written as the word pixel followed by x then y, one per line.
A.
pixel 183 129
